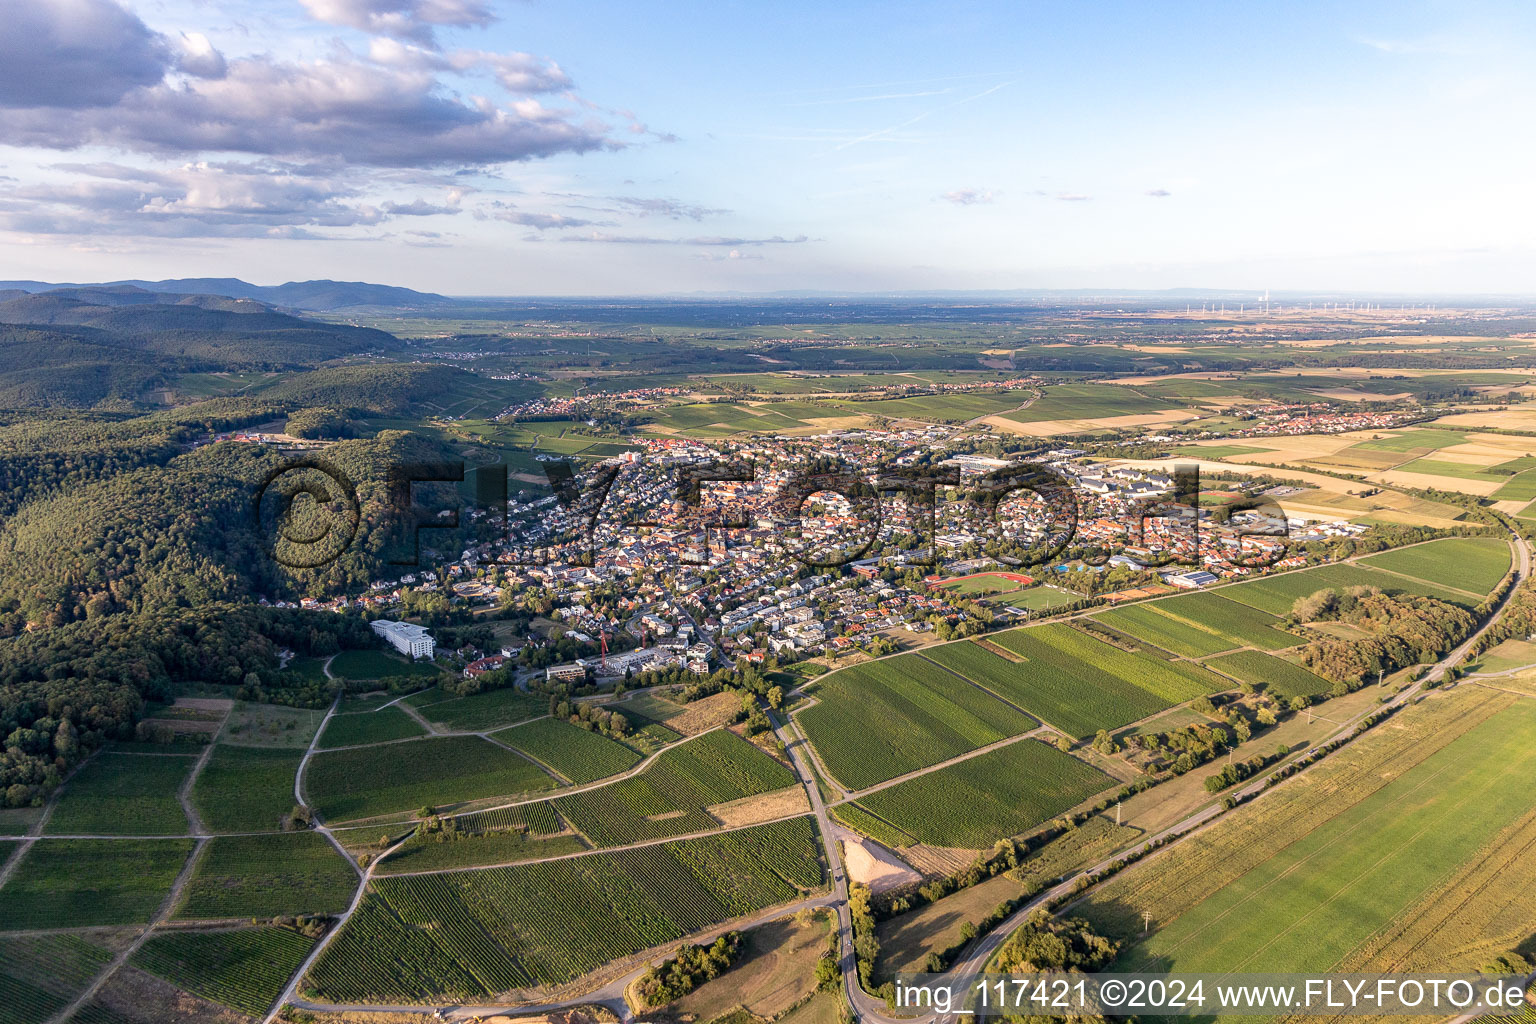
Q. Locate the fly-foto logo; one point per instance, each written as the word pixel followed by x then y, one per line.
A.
pixel 820 515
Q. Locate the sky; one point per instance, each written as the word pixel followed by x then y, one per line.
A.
pixel 480 147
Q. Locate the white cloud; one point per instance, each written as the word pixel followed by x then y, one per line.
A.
pixel 416 20
pixel 970 196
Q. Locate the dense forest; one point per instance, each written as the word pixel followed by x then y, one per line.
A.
pixel 67 690
pixel 190 531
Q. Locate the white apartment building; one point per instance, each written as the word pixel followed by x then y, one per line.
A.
pixel 405 637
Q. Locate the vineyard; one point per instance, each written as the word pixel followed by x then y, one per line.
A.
pixel 471 934
pixel 1001 793
pixel 368 781
pixel 246 969
pixel 96 1012
pixel 123 794
pixel 575 753
pixel 476 850
pixel 668 798
pixel 538 819
pixel 878 829
pixel 368 664
pixel 1387 822
pixel 72 883
pixel 478 712
pixel 380 726
pixel 1473 564
pixel 877 721
pixel 265 876
pixel 40 976
pixel 246 789
pixel 1276 675
pixel 1195 625
pixel 1077 683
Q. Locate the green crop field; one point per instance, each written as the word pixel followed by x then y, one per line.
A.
pixel 463 935
pixel 1402 821
pixel 1473 564
pixel 575 753
pixel 377 726
pixel 368 781
pixel 265 876
pixel 1276 594
pixel 246 789
pixel 1455 470
pixel 1218 451
pixel 1415 440
pixel 368 664
pixel 1075 682
pixel 1521 488
pixel 245 970
pixel 950 406
pixel 1001 793
pixel 714 768
pixel 479 712
pixel 877 721
pixel 1088 401
pixel 72 883
pixel 1276 675
pixel 42 975
pixel 1199 624
pixel 123 794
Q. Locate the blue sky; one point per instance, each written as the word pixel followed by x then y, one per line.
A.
pixel 478 147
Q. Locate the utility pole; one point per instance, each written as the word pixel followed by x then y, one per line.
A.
pixel 1146 921
pixel 1117 814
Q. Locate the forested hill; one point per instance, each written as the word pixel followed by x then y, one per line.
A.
pixel 43 453
pixel 216 331
pixel 317 296
pixel 112 347
pixel 148 539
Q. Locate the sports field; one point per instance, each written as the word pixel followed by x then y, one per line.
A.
pixel 877 721
pixel 986 583
pixel 1325 866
